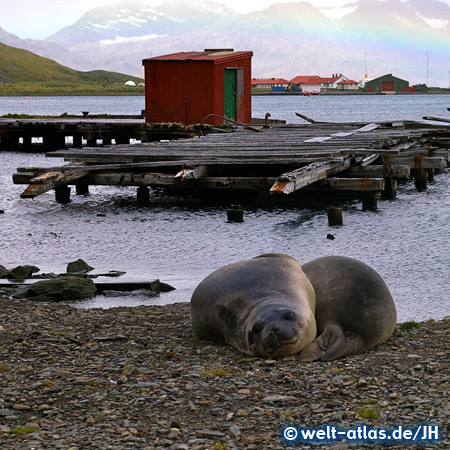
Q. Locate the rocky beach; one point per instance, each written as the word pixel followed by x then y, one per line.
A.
pixel 139 378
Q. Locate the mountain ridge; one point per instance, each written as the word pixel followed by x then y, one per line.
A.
pixel 288 39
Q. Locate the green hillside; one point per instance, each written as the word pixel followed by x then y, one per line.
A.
pixel 21 70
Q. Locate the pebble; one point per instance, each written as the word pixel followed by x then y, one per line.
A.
pixel 81 389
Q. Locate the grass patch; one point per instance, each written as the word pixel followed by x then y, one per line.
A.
pixel 62 88
pixel 410 325
pixel 220 446
pixel 245 359
pixel 63 332
pixel 368 413
pixel 215 372
pixel 23 430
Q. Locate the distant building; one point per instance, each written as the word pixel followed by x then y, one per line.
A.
pixel 347 85
pixel 194 87
pixel 315 83
pixel 387 84
pixel 299 81
pixel 312 86
pixel 130 83
pixel 275 84
pixel 419 88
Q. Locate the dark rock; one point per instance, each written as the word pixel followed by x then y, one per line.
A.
pixel 22 272
pixel 45 276
pixel 78 266
pixel 58 289
pixel 3 272
pixel 112 273
pixel 164 287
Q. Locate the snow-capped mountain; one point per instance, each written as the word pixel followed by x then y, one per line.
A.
pixel 132 21
pixel 288 39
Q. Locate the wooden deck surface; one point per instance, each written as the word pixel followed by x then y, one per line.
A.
pixel 281 159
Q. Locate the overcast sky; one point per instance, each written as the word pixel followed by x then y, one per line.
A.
pixel 38 19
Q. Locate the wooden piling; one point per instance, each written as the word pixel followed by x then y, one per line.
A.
pixel 369 200
pixel 82 187
pixel 26 145
pixel 430 174
pixel 92 140
pixel 78 140
pixel 143 196
pixel 420 179
pixel 334 216
pixel 266 199
pixel 62 194
pixel 235 213
pixel 390 189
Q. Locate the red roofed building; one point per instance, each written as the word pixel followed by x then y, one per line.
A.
pixel 276 84
pixel 347 85
pixel 315 83
pixel 194 87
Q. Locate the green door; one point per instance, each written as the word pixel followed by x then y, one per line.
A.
pixel 230 94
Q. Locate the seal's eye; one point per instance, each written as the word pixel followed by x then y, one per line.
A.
pixel 289 315
pixel 257 328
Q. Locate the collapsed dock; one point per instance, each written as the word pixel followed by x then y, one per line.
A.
pixel 268 161
pixel 58 133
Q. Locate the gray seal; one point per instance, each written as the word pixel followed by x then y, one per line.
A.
pixel 354 308
pixel 262 306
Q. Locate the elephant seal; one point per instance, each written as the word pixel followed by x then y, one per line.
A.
pixel 354 308
pixel 262 306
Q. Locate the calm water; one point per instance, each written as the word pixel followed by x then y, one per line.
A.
pixel 406 240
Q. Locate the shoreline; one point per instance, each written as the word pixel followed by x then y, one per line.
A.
pixel 139 378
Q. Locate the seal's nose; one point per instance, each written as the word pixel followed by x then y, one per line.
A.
pixel 276 331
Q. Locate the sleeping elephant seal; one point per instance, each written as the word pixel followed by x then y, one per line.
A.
pixel 354 308
pixel 262 306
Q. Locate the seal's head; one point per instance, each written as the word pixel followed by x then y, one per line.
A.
pixel 279 332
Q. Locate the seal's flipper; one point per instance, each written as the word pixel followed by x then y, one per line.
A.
pixel 312 352
pixel 332 341
pixel 328 346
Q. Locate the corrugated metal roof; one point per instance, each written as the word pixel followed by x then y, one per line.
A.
pixel 214 55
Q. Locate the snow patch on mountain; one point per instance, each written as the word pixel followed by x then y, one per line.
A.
pixel 125 40
pixel 437 24
pixel 336 13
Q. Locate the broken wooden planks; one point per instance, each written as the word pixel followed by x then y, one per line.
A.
pixel 50 180
pixel 295 180
pixel 282 159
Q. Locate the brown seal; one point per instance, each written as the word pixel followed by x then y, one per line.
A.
pixel 354 308
pixel 262 306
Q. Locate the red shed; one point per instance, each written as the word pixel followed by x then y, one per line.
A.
pixel 187 87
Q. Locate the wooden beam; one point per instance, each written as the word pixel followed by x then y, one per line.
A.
pixel 167 180
pixel 348 184
pixel 436 119
pixel 192 174
pixel 422 162
pixel 51 180
pixel 378 171
pixel 369 159
pixel 297 179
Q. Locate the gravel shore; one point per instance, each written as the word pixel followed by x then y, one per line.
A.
pixel 138 378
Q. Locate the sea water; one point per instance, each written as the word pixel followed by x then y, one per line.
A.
pixel 180 242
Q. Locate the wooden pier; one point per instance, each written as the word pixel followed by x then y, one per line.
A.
pixel 270 161
pixel 56 134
